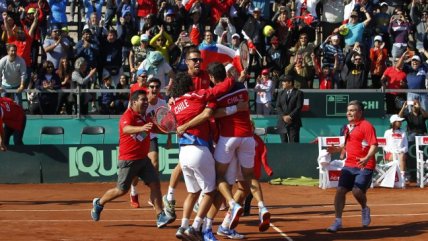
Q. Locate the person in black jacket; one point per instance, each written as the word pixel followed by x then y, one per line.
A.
pixel 354 72
pixel 289 106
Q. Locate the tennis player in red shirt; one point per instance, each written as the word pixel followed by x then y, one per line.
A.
pixel 134 144
pixel 13 118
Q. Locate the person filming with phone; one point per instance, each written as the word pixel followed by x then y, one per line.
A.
pixel 416 119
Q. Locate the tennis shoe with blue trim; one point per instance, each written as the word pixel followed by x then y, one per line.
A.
pixel 337 225
pixel 169 207
pixel 264 217
pixel 96 209
pixel 163 220
pixel 235 213
pixel 208 235
pixel 180 233
pixel 365 217
pixel 230 233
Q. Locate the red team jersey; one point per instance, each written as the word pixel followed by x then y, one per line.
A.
pixel 188 106
pixel 238 124
pixel 135 146
pixel 11 114
pixel 358 142
pixel 201 81
pixel 136 87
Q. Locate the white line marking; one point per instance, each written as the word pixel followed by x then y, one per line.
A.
pixel 280 232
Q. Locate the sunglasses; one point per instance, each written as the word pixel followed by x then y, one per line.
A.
pixel 154 86
pixel 196 59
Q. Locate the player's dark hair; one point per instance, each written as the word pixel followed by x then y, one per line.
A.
pixel 217 70
pixel 135 94
pixel 192 50
pixel 181 84
pixel 357 103
pixel 154 80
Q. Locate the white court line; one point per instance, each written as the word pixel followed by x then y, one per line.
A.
pixel 281 232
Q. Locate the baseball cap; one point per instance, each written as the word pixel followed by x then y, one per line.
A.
pixel 144 38
pixel 31 10
pixel 170 12
pixel 256 10
pixel 265 71
pixel 395 118
pixel 383 4
pixel 354 13
pixel 126 12
pixel 417 58
pixel 378 38
pixel 106 74
pixel 141 72
pixel 55 27
pixel 235 35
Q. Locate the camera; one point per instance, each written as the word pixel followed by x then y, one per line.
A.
pixel 410 102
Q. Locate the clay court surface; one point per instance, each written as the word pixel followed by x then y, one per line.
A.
pixel 62 212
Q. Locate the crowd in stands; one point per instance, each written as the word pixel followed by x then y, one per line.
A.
pixel 346 44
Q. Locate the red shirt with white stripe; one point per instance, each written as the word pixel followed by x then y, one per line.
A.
pixel 201 80
pixel 358 142
pixel 133 146
pixel 239 123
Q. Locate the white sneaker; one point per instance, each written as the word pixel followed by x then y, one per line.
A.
pixel 365 217
pixel 337 225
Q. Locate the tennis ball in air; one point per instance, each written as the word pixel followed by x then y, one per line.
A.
pixel 268 31
pixel 343 30
pixel 135 40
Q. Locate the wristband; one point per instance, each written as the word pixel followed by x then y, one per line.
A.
pixel 231 110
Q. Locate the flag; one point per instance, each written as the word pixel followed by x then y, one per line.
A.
pixel 306 106
pixel 219 53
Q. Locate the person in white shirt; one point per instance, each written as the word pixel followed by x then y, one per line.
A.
pixel 396 143
pixel 264 93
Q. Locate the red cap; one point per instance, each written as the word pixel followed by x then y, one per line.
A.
pixel 274 40
pixel 265 72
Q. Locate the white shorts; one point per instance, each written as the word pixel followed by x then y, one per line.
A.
pixel 241 149
pixel 198 166
pixel 234 172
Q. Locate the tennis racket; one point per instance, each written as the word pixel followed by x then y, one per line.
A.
pixel 165 120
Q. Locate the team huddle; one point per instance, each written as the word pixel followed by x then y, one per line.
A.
pixel 217 144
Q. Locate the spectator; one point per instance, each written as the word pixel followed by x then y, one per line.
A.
pixel 171 25
pixel 157 67
pixel 56 47
pixel 162 42
pixel 47 81
pixel 399 29
pixel 141 83
pixel 330 49
pixel 122 99
pixel 107 100
pixel 327 75
pixel 126 29
pixel 300 72
pixel 111 55
pixel 281 26
pixel 381 23
pixel 183 43
pixel 276 56
pixel 28 17
pixel 416 119
pixel 82 79
pixel 421 31
pixel 224 31
pixel 65 100
pixel 238 13
pixel 354 74
pixel 396 144
pixel 138 54
pixel 378 57
pixel 356 30
pixel 305 48
pixel 416 78
pixel 264 89
pixel 80 9
pixel 95 26
pixel 150 25
pixel 394 78
pixel 13 73
pixel 306 5
pixel 88 48
pixel 289 105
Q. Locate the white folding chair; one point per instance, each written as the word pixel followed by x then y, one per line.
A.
pixel 329 171
pixel 421 160
pixel 387 174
